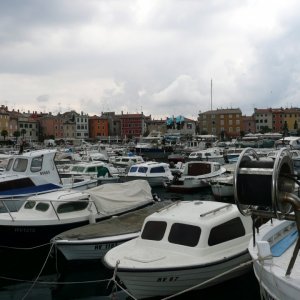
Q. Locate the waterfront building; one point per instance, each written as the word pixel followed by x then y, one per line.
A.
pixel 249 124
pixel 263 119
pixel 98 127
pixel 133 125
pixel 221 122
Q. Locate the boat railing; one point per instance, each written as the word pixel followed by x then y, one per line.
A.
pixel 215 210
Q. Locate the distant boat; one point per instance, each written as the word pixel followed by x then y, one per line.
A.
pixel 222 186
pixel 153 146
pixel 195 175
pixel 156 173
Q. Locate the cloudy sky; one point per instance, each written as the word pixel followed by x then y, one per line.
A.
pixel 155 56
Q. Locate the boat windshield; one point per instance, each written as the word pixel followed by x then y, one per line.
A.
pixel 20 164
pixel 184 234
pixel 133 169
pixel 159 169
pixel 227 231
pixel 72 206
pixel 79 169
pixel 142 169
pixel 154 230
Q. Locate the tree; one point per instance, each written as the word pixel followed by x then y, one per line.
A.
pixel 296 125
pixel 4 133
pixel 16 134
pixel 23 132
pixel 264 129
pixel 285 129
pixel 222 135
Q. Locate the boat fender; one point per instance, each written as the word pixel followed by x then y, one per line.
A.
pixel 156 198
pixel 92 219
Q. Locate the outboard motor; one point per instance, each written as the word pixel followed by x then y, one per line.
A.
pixel 266 188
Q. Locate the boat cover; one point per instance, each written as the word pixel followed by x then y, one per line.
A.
pixel 130 222
pixel 115 197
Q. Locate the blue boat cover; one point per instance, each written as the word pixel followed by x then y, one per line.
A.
pixel 279 248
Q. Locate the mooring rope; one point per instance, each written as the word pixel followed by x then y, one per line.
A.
pixel 113 279
pixel 39 274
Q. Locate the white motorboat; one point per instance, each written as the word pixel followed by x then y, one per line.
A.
pixel 33 172
pixel 156 173
pixel 214 154
pixel 93 241
pixel 183 246
pixel 126 160
pixel 195 175
pixel 271 251
pixel 222 186
pixel 103 172
pixel 43 216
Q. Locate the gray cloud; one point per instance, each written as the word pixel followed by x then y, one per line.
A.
pixel 155 56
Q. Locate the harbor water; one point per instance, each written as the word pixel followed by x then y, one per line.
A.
pixel 39 274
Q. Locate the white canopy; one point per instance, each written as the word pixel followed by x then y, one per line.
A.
pixel 118 197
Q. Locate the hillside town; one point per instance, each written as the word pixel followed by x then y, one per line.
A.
pixel 225 124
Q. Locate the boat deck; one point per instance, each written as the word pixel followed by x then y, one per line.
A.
pixel 127 223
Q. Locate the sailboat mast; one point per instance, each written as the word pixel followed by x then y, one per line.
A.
pixel 211 131
pixel 211 94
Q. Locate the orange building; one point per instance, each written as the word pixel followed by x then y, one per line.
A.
pixel 98 126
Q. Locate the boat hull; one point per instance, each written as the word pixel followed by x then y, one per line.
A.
pixel 222 190
pixel 91 250
pixel 27 236
pixel 271 272
pixel 153 181
pixel 152 283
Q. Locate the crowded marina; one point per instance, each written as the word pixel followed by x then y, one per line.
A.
pixel 180 225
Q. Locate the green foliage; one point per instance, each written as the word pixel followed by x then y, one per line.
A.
pixel 4 133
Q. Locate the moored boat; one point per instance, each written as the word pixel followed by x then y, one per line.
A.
pixel 181 247
pixel 43 216
pixel 156 173
pixel 93 241
pixel 195 176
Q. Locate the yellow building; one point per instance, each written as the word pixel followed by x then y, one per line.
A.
pixel 221 121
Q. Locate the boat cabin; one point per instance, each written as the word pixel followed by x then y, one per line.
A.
pixel 292 142
pixel 35 163
pixel 209 154
pixel 195 168
pixel 125 161
pixel 214 226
